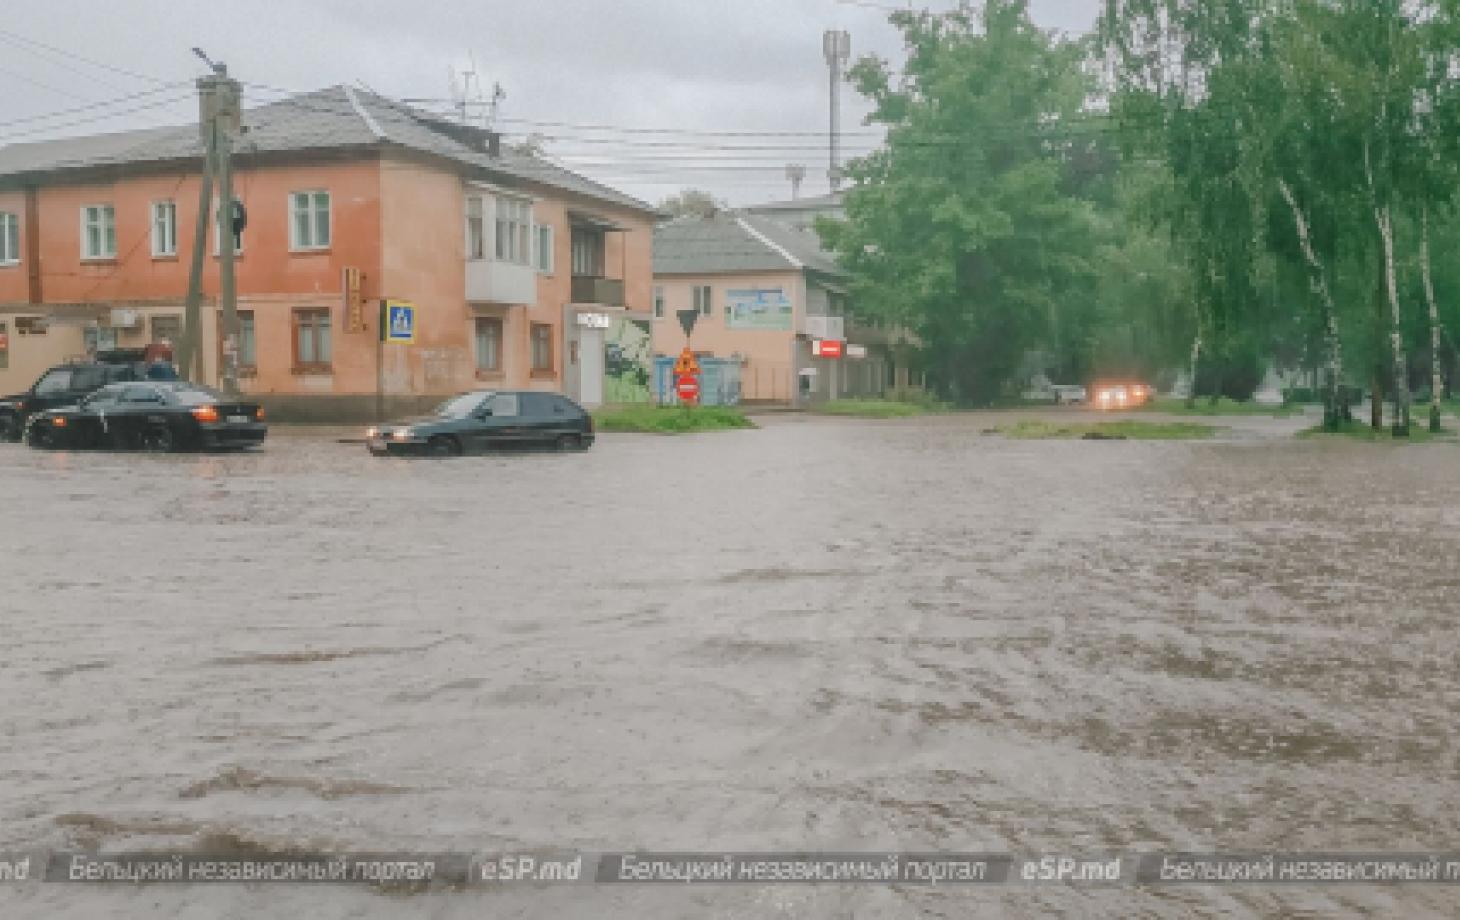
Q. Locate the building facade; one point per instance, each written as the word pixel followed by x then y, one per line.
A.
pixel 766 296
pixel 519 271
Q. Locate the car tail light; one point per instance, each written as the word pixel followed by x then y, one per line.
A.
pixel 259 414
pixel 59 421
pixel 206 413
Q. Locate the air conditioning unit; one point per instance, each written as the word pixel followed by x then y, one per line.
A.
pixel 125 319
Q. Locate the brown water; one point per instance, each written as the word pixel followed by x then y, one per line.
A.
pixel 828 635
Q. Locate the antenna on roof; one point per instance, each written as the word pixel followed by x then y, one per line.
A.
pixel 466 93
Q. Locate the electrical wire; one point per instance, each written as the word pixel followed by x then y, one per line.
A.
pixel 93 105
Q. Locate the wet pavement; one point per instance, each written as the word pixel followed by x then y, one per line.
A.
pixel 823 635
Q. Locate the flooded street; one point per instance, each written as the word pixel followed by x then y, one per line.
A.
pixel 823 635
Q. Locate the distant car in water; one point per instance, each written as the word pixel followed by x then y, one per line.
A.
pixel 1119 395
pixel 153 415
pixel 485 420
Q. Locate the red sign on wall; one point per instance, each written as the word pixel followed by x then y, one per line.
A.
pixel 827 348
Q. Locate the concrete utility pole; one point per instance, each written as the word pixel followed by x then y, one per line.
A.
pixel 836 47
pixel 220 100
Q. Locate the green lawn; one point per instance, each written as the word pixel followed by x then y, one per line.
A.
pixel 870 408
pixel 1125 430
pixel 670 419
pixel 1223 406
pixel 1419 431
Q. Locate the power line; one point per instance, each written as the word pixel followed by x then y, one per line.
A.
pixel 94 105
pixel 8 138
pixel 16 38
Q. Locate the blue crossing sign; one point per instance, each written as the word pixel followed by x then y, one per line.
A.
pixel 399 324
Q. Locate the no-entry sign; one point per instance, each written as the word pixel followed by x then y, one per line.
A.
pixel 828 348
pixel 688 389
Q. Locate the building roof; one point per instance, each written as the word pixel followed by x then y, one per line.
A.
pixel 831 202
pixel 731 242
pixel 337 118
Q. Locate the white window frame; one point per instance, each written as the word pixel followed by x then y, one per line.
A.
pixel 218 219
pixel 9 238
pixel 543 240
pixel 106 221
pixel 478 253
pixel 313 244
pixel 515 215
pixel 164 235
pixel 704 299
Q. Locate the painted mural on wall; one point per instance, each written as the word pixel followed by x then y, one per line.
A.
pixel 758 308
pixel 629 361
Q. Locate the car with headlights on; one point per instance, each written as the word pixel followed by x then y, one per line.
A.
pixel 484 420
pixel 152 415
pixel 1121 395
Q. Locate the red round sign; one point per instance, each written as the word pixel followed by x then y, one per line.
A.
pixel 687 387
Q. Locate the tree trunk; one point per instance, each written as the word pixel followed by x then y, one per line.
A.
pixel 1333 356
pixel 1436 382
pixel 1195 359
pixel 1396 339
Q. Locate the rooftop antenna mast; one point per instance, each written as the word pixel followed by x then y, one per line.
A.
pixel 795 172
pixel 466 93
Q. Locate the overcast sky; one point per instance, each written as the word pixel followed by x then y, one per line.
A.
pixel 680 65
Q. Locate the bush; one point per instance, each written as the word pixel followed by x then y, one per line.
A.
pixel 670 419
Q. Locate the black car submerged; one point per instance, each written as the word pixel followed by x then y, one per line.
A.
pixel 153 415
pixel 488 419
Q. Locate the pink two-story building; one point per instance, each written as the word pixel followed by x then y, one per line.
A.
pixel 522 274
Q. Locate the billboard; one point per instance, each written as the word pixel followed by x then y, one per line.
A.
pixel 758 308
pixel 629 356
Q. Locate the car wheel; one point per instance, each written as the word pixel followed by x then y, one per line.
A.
pixel 9 428
pixel 40 437
pixel 443 446
pixel 567 442
pixel 159 439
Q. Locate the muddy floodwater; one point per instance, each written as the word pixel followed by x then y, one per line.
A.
pixel 822 635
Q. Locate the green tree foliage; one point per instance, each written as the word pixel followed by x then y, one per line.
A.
pixel 968 226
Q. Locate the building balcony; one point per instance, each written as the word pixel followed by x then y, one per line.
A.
pixel 489 281
pixel 606 291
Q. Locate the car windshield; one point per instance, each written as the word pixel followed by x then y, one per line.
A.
pixel 461 406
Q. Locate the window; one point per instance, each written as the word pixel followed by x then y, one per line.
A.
pixel 542 347
pixel 587 246
pixel 247 349
pixel 30 325
pixel 142 393
pixel 543 248
pixel 166 329
pixel 504 405
pixel 514 222
pixel 537 405
pixel 9 238
pixel 659 303
pixel 99 232
pixel 312 340
pixel 164 228
pixel 309 220
pixel 54 383
pixel 87 378
pixel 476 229
pixel 225 220
pixel 489 344
pixel 702 299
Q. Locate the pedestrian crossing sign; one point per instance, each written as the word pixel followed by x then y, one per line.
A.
pixel 399 325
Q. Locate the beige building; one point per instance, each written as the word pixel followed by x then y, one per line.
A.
pixel 766 296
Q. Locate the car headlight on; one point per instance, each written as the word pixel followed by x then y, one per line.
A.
pixel 372 432
pixel 401 434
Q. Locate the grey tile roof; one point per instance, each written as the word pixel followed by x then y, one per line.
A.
pixel 730 242
pixel 829 202
pixel 330 119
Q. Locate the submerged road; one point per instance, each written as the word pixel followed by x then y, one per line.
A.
pixel 822 635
